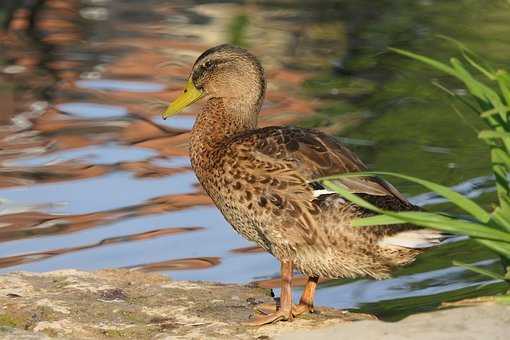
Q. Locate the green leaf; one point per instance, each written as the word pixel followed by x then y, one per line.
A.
pixel 500 157
pixel 426 60
pixel 480 68
pixel 501 248
pixel 458 97
pixel 379 220
pixel 457 227
pixel 494 109
pixel 376 220
pixel 493 112
pixel 459 200
pixel 351 197
pixel 476 88
pixel 504 84
pixel 488 98
pixel 502 217
pixel 500 170
pixel 479 270
pixel 490 134
pixel 461 46
pixel 428 220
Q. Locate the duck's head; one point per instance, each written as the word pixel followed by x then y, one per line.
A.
pixel 227 72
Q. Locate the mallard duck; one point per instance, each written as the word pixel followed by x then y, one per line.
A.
pixel 265 183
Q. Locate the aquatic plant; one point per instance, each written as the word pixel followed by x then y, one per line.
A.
pixel 490 100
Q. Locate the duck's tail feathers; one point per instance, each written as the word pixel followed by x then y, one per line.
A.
pixel 417 239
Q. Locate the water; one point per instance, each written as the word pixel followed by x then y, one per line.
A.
pixel 92 177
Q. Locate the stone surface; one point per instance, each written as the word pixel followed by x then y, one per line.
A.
pixel 71 304
pixel 74 304
pixel 487 321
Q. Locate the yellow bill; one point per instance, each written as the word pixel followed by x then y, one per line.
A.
pixel 190 95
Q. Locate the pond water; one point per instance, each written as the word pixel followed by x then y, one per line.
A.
pixel 92 178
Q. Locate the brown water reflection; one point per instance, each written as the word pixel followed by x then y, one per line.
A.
pixel 62 71
pixel 20 259
pixel 33 224
pixel 180 264
pixel 248 250
pixel 91 177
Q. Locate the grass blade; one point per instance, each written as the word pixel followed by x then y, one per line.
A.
pixel 458 97
pixel 428 220
pixel 502 217
pixel 426 60
pixel 504 84
pixel 479 270
pixel 476 88
pixel 484 71
pixel 491 134
pixel 380 220
pixel 502 248
pixel 351 197
pixel 493 112
pixel 454 197
pixel 494 109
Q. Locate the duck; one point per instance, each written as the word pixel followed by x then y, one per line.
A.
pixel 266 183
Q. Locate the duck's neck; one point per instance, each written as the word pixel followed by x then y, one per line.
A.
pixel 218 120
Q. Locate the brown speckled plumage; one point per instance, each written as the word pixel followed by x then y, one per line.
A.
pixel 259 179
pixel 263 179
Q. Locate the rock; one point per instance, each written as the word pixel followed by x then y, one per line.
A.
pixel 71 304
pixel 74 304
pixel 487 321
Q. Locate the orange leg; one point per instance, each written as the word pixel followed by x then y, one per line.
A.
pixel 306 301
pixel 285 310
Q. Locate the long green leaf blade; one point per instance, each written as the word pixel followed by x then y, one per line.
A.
pixel 426 60
pixel 476 88
pixel 502 217
pixel 490 134
pixel 493 112
pixel 351 197
pixel 428 220
pixel 461 201
pixel 479 270
pixel 502 248
pixel 382 220
pixel 490 75
pixel 504 84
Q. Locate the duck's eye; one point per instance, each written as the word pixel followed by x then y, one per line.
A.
pixel 202 69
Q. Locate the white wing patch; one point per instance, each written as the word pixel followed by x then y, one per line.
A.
pixel 319 192
pixel 416 239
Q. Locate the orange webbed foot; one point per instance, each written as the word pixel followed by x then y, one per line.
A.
pixel 279 315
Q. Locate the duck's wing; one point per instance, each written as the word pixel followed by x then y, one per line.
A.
pixel 314 154
pixel 279 167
